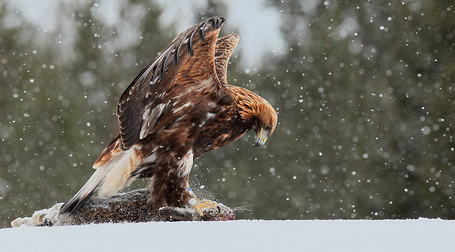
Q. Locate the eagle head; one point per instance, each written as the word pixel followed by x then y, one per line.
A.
pixel 258 113
pixel 265 123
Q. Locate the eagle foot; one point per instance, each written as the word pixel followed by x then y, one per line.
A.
pixel 199 205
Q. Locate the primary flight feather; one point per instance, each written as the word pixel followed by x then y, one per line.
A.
pixel 177 108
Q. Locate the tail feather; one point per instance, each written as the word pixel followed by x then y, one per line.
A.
pixel 74 204
pixel 113 173
pixel 86 191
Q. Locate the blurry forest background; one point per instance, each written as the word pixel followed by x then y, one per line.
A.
pixel 365 93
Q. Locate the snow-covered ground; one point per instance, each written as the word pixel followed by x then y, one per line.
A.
pixel 240 235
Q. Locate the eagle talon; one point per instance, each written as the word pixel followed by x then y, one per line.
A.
pixel 200 205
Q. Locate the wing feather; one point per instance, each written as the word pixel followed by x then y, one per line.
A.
pixel 187 60
pixel 223 51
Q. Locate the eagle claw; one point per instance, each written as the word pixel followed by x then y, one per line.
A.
pixel 200 205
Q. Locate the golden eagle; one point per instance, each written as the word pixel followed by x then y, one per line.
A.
pixel 177 108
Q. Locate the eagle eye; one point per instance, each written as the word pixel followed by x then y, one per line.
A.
pixel 268 127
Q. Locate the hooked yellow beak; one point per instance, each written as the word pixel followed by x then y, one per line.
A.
pixel 261 138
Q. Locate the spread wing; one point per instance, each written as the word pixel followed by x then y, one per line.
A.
pixel 188 59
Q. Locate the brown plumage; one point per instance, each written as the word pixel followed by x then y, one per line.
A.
pixel 177 108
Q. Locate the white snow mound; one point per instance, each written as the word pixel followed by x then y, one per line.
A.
pixel 240 235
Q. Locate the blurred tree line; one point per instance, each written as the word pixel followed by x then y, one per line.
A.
pixel 364 92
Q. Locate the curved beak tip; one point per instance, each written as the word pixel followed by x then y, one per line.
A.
pixel 261 138
pixel 259 142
